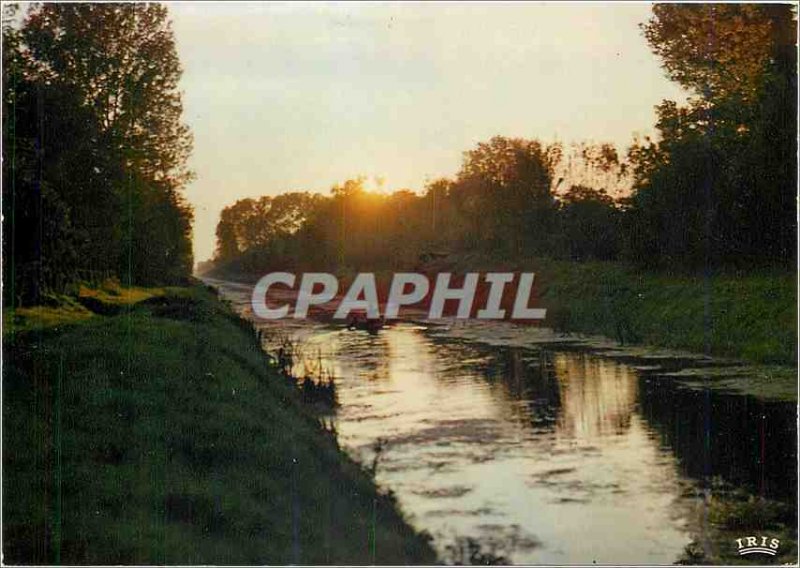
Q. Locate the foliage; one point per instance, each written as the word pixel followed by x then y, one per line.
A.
pixel 717 50
pixel 714 191
pixel 719 187
pixel 256 223
pixel 95 148
pixel 504 188
pixel 590 224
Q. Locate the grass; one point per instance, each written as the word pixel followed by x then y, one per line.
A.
pixel 60 310
pixel 730 514
pixel 161 435
pixel 746 316
pixel 751 317
pixel 113 293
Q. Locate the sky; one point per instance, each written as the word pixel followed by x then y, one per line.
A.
pixel 299 97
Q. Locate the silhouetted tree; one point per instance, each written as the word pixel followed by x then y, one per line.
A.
pixel 505 189
pixel 719 186
pixel 590 224
pixel 96 146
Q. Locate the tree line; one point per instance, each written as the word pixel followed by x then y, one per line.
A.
pixel 716 188
pixel 504 189
pixel 94 153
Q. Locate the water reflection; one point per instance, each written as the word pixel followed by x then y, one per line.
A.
pixel 741 440
pixel 538 456
pixel 598 397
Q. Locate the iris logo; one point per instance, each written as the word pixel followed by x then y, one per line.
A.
pixel 757 545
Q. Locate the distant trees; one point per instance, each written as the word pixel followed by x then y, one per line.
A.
pixel 590 224
pixel 717 188
pixel 503 201
pixel 94 149
pixel 505 189
pixel 262 227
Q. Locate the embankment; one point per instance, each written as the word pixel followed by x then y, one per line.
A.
pixel 159 433
pixel 749 316
pixel 746 316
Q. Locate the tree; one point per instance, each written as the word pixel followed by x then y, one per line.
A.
pixel 590 224
pixel 261 227
pixel 55 181
pixel 719 186
pixel 122 60
pixel 718 51
pixel 596 165
pixel 505 188
pixel 108 74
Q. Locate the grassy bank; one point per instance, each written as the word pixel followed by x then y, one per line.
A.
pixel 752 317
pixel 147 427
pixel 748 316
pixel 727 514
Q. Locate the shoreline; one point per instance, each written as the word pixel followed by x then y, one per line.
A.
pixel 734 509
pixel 580 325
pixel 747 317
pixel 162 435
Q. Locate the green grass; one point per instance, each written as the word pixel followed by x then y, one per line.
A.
pixel 66 312
pixel 752 317
pixel 61 310
pixel 745 316
pixel 162 435
pixel 728 514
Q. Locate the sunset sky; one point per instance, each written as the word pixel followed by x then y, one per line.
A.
pixel 299 97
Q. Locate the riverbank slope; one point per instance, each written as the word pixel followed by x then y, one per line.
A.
pixel 748 316
pixel 149 428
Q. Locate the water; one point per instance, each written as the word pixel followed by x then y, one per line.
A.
pixel 539 455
